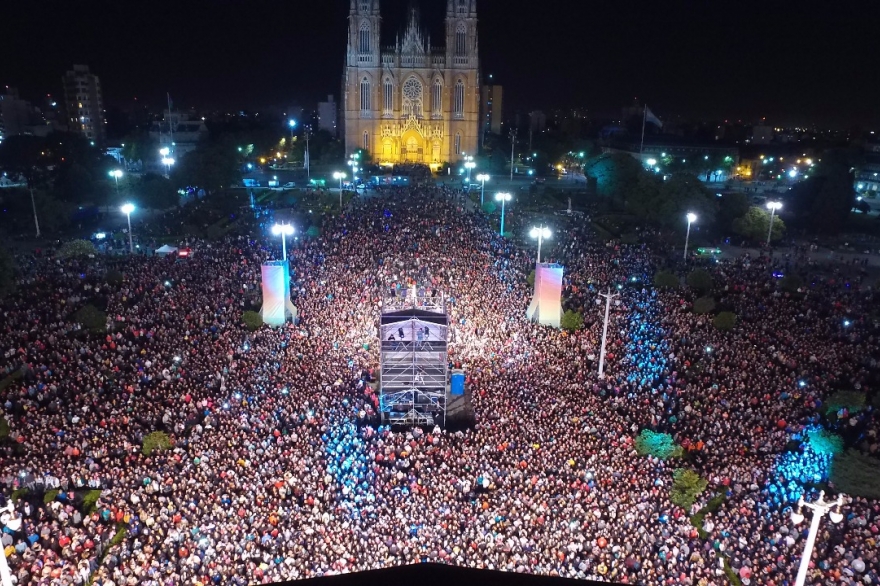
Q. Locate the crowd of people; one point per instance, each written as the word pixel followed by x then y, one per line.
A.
pixel 280 468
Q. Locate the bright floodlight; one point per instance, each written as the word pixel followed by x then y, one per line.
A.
pixel 691 217
pixel 116 173
pixel 470 165
pixel 127 208
pixel 165 151
pixel 279 229
pixel 652 162
pixel 291 123
pixel 167 161
pixel 774 205
pixel 503 196
pixel 339 175
pixel 482 177
pixel 540 233
pixel 792 173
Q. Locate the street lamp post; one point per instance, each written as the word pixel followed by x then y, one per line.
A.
pixel 482 178
pixel 469 165
pixel 608 297
pixel 540 233
pixel 820 507
pixel 292 124
pixel 339 175
pixel 11 521
pixel 691 218
pixel 116 174
pixel 284 230
pixel 773 206
pixel 503 198
pixel 127 209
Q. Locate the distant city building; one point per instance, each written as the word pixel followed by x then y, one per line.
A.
pixel 327 112
pixel 85 104
pixel 762 134
pixel 14 114
pixel 412 102
pixel 868 176
pixel 656 154
pixel 537 121
pixel 178 133
pixel 18 116
pixel 493 108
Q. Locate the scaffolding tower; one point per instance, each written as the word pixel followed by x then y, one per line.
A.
pixel 413 352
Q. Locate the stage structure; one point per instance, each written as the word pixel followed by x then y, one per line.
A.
pixel 413 327
pixel 546 305
pixel 277 308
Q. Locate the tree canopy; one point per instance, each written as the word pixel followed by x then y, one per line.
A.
pixel 755 225
pixel 7 273
pixel 212 166
pixel 822 203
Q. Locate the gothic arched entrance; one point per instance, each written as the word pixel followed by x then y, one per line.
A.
pixel 412 148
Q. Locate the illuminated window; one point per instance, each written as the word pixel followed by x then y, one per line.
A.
pixel 461 39
pixel 366 141
pixel 388 94
pixel 412 97
pixel 437 99
pixel 458 144
pixel 365 95
pixel 364 38
pixel 458 102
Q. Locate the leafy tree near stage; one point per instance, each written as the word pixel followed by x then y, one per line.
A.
pixel 616 175
pixel 687 485
pixel 856 474
pixel 755 224
pixel 156 441
pixel 212 166
pixel 571 321
pixel 658 445
pixel 77 248
pixel 852 401
pixel 791 283
pixel 680 194
pixel 253 321
pixel 91 318
pixel 531 279
pixel 725 320
pixel 666 280
pixel 730 207
pixel 822 202
pixel 700 280
pixel 157 192
pixel 7 273
pixel 140 147
pixel 704 305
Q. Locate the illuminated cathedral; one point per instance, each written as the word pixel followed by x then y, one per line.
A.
pixel 411 102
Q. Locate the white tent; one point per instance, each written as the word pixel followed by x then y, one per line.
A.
pixel 166 250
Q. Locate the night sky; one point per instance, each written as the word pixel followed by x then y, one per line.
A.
pixel 793 62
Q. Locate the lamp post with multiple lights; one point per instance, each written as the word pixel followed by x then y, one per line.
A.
pixel 12 521
pixel 470 165
pixel 482 178
pixel 608 298
pixel 283 230
pixel 116 174
pixel 820 507
pixel 340 176
pixel 540 233
pixel 773 206
pixel 691 218
pixel 503 198
pixel 127 209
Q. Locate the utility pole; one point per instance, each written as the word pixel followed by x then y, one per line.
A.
pixel 512 146
pixel 608 297
pixel 308 163
pixel 34 207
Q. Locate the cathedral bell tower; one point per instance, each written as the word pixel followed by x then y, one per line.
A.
pixel 461 34
pixel 364 24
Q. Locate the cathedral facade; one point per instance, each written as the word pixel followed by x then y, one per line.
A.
pixel 411 102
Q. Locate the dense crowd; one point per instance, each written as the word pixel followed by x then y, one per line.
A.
pixel 280 468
